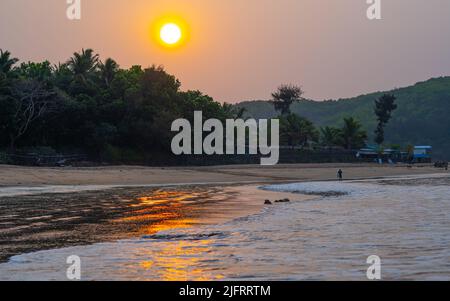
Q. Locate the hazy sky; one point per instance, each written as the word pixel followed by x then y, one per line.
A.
pixel 243 49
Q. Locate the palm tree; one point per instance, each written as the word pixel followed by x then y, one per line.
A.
pixel 329 136
pixel 234 111
pixel 6 65
pixel 108 71
pixel 6 62
pixel 296 130
pixel 352 134
pixel 83 65
pixel 285 96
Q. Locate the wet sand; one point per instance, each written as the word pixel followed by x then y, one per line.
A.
pixel 328 238
pixel 48 221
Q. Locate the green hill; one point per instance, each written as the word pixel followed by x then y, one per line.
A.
pixel 422 117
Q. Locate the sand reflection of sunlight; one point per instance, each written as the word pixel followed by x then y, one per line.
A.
pixel 166 211
pixel 182 261
pixel 161 211
pixel 167 225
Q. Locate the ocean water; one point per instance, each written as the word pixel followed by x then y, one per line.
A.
pixel 406 222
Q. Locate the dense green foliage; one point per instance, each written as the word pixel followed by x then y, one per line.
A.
pixel 422 116
pixel 351 134
pixel 94 107
pixel 297 131
pixel 301 132
pixel 117 115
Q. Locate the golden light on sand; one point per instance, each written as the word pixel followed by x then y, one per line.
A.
pixel 170 33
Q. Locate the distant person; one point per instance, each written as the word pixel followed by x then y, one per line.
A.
pixel 340 174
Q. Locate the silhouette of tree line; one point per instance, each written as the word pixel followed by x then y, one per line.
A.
pixel 125 115
pixel 299 131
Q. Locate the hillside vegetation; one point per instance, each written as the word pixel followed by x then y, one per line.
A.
pixel 422 117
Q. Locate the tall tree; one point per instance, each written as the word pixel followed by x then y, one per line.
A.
pixel 83 66
pixel 6 62
pixel 352 134
pixel 6 81
pixel 285 96
pixel 41 72
pixel 384 106
pixel 108 71
pixel 329 136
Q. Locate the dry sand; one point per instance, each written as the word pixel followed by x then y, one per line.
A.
pixel 217 175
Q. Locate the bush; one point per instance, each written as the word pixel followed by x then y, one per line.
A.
pixel 117 155
pixel 4 158
pixel 112 154
pixel 38 150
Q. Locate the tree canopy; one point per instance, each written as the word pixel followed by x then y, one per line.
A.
pixel 124 115
pixel 420 119
pixel 93 106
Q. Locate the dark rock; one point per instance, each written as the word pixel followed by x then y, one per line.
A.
pixel 283 201
pixel 267 202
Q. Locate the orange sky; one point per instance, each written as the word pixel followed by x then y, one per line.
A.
pixel 243 49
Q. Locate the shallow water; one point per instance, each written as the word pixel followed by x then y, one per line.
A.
pixel 326 238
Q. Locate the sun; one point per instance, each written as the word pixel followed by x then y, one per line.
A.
pixel 170 34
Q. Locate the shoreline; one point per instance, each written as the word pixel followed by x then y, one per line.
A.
pixel 155 226
pixel 18 191
pixel 31 221
pixel 45 221
pixel 123 176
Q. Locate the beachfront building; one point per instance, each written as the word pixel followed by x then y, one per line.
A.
pixel 423 154
pixel 375 154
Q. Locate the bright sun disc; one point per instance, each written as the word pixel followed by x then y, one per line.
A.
pixel 170 34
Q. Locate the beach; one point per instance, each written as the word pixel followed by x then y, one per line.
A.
pixel 198 223
pixel 215 175
pixel 47 221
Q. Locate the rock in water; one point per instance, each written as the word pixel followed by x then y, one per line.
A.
pixel 267 202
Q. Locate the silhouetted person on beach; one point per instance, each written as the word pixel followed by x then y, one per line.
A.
pixel 340 174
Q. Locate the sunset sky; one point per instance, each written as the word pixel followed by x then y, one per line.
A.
pixel 243 49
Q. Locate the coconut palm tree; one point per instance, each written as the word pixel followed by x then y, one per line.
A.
pixel 329 136
pixel 6 62
pixel 352 134
pixel 6 65
pixel 297 131
pixel 108 71
pixel 83 65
